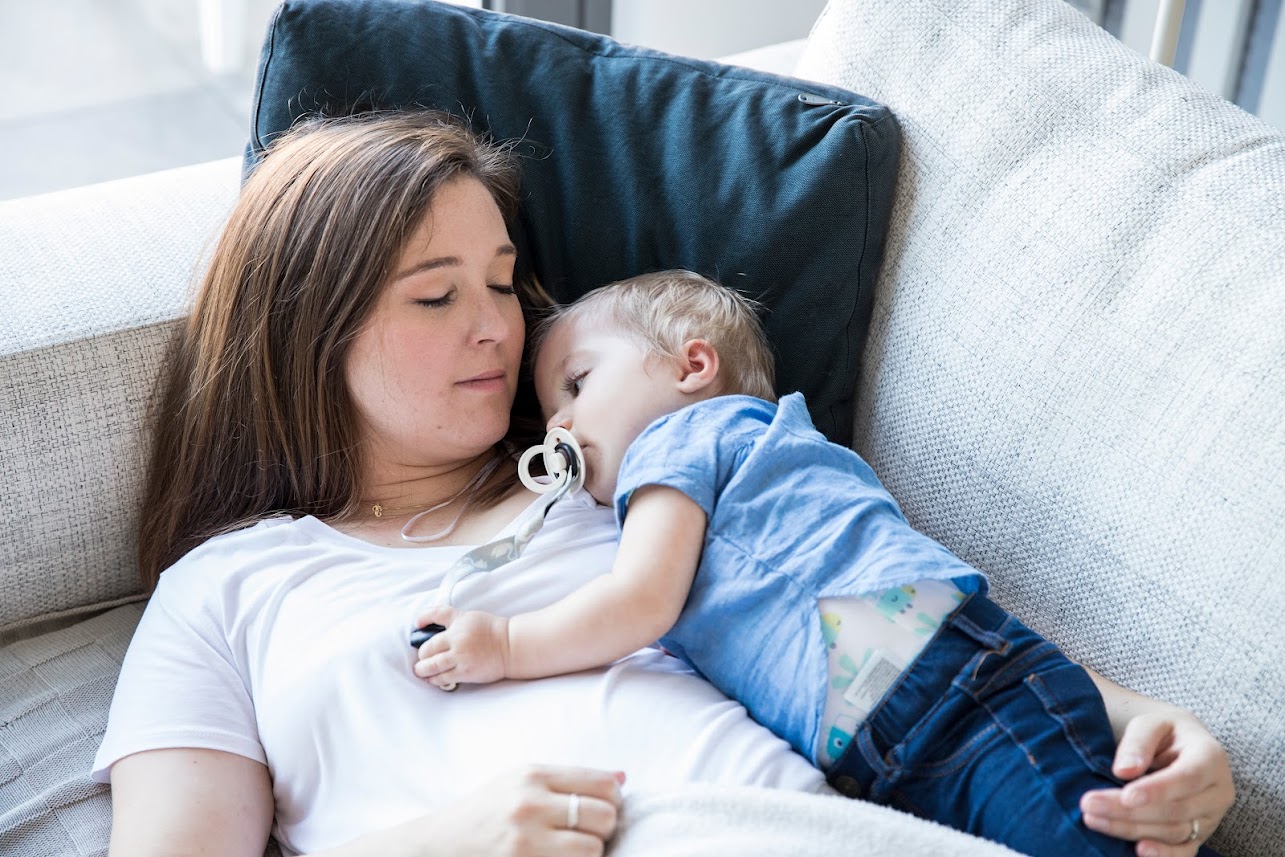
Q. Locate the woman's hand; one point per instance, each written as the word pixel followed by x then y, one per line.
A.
pixel 539 811
pixel 474 648
pixel 1179 788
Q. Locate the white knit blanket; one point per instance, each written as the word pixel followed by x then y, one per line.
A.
pixel 706 820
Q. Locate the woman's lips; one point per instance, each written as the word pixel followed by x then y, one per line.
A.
pixel 486 381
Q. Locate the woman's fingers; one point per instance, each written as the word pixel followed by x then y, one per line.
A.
pixel 591 782
pixel 530 813
pixel 1171 834
pixel 1166 815
pixel 1181 784
pixel 580 806
pixel 584 814
pixel 1190 775
pixel 1146 740
pixel 1114 804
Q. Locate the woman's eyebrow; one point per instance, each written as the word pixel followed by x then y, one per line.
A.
pixel 449 262
pixel 429 265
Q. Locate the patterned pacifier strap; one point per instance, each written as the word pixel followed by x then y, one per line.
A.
pixel 564 462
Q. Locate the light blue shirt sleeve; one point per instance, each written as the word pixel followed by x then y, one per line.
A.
pixel 696 450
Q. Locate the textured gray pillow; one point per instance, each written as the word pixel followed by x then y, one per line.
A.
pixel 55 692
pixel 1075 375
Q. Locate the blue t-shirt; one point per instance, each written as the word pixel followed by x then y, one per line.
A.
pixel 792 518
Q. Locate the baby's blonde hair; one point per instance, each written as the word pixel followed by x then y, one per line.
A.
pixel 667 308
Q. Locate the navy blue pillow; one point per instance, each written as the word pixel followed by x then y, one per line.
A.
pixel 639 160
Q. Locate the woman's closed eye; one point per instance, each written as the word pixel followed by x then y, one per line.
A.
pixel 449 298
pixel 444 300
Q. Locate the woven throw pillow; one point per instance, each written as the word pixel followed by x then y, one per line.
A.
pixel 638 160
pixel 1075 376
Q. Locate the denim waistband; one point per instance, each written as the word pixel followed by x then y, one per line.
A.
pixel 979 647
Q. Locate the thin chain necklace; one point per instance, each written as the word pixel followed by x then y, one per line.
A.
pixel 481 476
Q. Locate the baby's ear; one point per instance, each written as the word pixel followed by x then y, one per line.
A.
pixel 699 365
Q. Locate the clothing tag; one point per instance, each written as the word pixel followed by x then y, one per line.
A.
pixel 872 680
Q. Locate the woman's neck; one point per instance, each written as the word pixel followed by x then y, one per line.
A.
pixel 402 491
pixel 443 501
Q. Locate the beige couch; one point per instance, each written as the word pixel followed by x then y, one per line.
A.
pixel 1075 378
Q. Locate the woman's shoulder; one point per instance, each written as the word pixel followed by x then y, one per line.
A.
pixel 249 537
pixel 231 554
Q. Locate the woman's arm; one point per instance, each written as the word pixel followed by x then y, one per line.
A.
pixel 190 802
pixel 1177 772
pixel 606 619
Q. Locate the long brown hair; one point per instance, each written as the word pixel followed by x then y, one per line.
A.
pixel 253 415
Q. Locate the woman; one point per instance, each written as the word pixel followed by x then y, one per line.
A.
pixel 336 428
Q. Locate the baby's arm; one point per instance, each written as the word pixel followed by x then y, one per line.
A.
pixel 606 619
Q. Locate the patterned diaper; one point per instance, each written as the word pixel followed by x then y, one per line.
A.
pixel 871 640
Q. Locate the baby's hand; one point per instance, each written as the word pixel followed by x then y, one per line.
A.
pixel 474 648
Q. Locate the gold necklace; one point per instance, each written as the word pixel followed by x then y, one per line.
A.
pixel 380 510
pixel 481 477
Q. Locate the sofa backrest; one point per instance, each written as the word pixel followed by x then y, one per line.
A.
pixel 1075 376
pixel 91 283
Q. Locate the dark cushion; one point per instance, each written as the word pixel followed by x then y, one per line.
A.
pixel 638 160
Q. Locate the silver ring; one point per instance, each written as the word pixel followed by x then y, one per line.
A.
pixel 573 811
pixel 1195 830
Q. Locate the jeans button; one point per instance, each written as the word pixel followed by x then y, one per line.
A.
pixel 847 786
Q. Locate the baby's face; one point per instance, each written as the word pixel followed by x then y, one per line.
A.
pixel 605 388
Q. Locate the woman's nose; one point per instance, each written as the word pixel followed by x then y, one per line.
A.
pixel 489 322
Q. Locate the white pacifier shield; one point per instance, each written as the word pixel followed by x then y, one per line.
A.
pixel 555 463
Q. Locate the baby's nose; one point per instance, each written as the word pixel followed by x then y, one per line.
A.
pixel 558 420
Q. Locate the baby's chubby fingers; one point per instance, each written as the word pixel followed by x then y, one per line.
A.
pixel 474 648
pixel 435 665
pixel 438 615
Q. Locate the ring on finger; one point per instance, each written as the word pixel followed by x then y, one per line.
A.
pixel 573 811
pixel 1195 831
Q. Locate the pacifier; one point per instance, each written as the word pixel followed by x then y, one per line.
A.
pixel 563 461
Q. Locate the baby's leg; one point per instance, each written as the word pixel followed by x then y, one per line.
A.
pixel 871 640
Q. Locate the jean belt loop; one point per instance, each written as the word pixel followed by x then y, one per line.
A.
pixel 872 755
pixel 982 619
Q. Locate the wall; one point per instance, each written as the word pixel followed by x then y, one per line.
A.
pixel 707 29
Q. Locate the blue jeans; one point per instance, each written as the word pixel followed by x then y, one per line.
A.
pixel 993 731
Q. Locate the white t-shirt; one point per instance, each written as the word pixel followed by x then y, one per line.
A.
pixel 287 643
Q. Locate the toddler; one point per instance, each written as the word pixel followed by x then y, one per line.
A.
pixel 775 563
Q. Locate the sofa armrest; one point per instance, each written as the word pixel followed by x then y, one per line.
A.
pixel 91 283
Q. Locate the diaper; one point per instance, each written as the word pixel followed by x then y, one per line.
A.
pixel 871 640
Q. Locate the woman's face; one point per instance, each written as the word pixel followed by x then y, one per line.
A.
pixel 434 371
